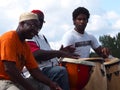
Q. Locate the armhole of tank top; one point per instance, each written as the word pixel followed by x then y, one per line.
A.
pixel 46 40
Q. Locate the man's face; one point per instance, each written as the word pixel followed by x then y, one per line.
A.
pixel 80 23
pixel 30 29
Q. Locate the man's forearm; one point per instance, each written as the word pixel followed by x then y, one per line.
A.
pixel 16 76
pixel 46 54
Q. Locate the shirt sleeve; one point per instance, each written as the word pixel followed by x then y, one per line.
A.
pixel 33 46
pixel 95 43
pixel 67 40
pixel 8 50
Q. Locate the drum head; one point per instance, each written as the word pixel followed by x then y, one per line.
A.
pixel 111 61
pixel 78 61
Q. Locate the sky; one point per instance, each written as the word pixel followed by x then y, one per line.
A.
pixel 104 16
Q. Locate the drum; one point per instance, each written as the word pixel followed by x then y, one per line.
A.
pixel 98 79
pixel 79 72
pixel 113 73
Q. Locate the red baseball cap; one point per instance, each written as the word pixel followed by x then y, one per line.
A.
pixel 40 14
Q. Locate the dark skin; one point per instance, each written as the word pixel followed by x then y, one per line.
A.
pixel 80 23
pixel 26 30
pixel 45 55
pixel 49 54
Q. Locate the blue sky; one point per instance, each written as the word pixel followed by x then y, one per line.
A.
pixel 104 19
pixel 111 5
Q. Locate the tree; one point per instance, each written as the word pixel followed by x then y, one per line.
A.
pixel 113 43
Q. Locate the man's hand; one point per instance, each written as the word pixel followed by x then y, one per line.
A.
pixel 69 48
pixel 69 55
pixel 68 52
pixel 105 51
pixel 102 51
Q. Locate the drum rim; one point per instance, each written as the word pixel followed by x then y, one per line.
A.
pixel 78 61
pixel 112 62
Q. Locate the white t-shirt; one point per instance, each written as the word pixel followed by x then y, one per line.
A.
pixel 82 42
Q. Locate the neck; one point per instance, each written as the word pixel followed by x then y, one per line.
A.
pixel 21 37
pixel 79 31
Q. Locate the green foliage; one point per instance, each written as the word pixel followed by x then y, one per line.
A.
pixel 113 43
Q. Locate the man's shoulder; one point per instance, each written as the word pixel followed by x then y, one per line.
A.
pixel 9 34
pixel 69 33
pixel 89 34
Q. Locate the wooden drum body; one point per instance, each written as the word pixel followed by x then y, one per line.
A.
pixel 113 74
pixel 98 79
pixel 78 71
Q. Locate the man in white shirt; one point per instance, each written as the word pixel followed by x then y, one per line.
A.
pixel 80 39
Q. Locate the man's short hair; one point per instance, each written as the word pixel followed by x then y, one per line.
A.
pixel 80 10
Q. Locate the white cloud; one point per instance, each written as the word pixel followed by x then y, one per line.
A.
pixel 97 23
pixel 117 25
pixel 58 16
pixel 115 20
pixel 112 15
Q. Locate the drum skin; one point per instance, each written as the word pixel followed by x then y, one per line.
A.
pixel 78 75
